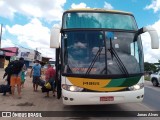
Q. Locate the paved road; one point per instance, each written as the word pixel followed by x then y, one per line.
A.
pixel 35 101
pixel 152 96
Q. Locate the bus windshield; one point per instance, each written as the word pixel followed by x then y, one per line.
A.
pixel 98 20
pixel 95 52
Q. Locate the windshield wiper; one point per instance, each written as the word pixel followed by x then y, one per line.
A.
pixel 94 60
pixel 119 62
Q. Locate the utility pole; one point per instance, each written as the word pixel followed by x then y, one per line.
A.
pixel 1 35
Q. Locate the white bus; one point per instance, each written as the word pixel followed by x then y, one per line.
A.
pixel 99 57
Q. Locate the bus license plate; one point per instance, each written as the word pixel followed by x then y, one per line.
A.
pixel 107 98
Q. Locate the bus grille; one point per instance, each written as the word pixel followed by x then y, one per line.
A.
pixel 87 90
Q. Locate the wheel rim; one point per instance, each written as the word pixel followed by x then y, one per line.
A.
pixel 154 82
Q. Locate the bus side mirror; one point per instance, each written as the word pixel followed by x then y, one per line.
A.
pixel 153 34
pixel 55 37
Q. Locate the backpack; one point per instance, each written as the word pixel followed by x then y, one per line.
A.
pixel 14 67
pixel 9 68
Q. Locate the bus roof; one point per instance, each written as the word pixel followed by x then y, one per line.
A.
pixel 96 10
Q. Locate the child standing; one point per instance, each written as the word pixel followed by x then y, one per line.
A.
pixel 23 76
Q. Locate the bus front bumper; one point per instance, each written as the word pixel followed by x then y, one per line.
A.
pixel 95 98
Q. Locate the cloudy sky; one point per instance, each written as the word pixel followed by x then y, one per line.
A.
pixel 27 23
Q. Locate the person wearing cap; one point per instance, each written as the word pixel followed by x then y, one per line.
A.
pixel 36 73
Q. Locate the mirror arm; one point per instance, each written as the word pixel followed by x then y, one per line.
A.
pixel 153 35
pixel 61 31
pixel 140 31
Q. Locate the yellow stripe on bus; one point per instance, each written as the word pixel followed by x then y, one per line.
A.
pixel 93 84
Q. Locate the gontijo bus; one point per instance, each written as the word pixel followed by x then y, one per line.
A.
pixel 99 57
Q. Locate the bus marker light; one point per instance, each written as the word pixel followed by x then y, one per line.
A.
pixel 65 98
pixel 138 97
pixel 71 99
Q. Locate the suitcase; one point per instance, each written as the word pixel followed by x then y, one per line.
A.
pixel 5 88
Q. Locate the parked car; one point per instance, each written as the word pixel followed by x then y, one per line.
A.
pixel 155 78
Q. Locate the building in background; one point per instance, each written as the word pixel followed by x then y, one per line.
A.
pixel 8 53
pixel 38 56
pixel 45 60
pixel 2 57
pixel 27 54
pixel 14 53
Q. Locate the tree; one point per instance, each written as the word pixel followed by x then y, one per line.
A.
pixel 149 67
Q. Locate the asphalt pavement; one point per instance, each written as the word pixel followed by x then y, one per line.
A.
pixel 152 96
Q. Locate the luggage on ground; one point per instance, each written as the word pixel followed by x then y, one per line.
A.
pixel 44 89
pixel 5 88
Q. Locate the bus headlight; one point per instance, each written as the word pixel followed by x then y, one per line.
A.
pixel 137 86
pixel 72 88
